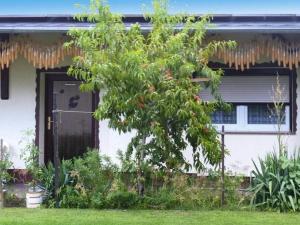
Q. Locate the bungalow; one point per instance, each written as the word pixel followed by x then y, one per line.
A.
pixel 34 83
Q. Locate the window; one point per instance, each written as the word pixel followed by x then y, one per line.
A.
pixel 252 98
pixel 264 114
pixel 221 117
pixel 251 117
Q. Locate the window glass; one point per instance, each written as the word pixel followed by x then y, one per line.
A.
pixel 264 114
pixel 222 117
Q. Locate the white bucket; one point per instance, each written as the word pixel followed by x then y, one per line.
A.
pixel 34 199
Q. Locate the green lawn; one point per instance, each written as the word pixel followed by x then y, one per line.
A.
pixel 135 217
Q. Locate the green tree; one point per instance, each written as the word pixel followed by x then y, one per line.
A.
pixel 146 78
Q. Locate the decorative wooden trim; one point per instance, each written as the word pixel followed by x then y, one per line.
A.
pixel 247 54
pixel 242 57
pixel 38 54
pixel 265 69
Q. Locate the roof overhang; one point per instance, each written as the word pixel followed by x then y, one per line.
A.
pixel 222 23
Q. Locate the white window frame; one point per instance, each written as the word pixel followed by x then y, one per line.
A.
pixel 243 126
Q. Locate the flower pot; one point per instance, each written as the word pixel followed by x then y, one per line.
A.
pixel 34 199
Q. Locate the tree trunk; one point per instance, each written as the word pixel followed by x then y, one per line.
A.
pixel 140 172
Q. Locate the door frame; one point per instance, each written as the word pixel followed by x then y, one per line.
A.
pixel 50 76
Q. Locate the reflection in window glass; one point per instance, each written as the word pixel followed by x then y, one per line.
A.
pixel 222 117
pixel 264 114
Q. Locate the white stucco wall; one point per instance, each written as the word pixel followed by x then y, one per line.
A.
pixel 18 114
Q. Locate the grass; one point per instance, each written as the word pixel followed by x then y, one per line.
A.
pixel 20 216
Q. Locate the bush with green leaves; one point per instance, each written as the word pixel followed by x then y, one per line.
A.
pixel 122 199
pixel 5 164
pixel 276 183
pixel 81 180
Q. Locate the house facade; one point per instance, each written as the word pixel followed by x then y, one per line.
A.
pixel 35 90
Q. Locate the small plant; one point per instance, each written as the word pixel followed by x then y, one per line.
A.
pixel 30 155
pixel 5 164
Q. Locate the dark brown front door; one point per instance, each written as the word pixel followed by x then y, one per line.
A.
pixel 70 110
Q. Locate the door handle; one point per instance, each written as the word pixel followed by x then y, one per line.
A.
pixel 49 123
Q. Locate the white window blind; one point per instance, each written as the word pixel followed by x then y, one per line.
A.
pixel 249 89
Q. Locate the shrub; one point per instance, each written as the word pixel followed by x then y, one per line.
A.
pixel 276 183
pixel 80 180
pixel 98 201
pixel 187 192
pixel 92 181
pixel 73 198
pixel 232 184
pixel 122 199
pixel 163 199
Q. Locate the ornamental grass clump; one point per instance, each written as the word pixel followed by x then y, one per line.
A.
pixel 276 182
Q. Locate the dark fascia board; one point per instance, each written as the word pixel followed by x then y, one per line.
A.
pixel 237 18
pixel 225 23
pixel 132 18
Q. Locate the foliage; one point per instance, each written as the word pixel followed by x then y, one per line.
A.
pixel 187 192
pixel 30 155
pixel 47 179
pixel 92 181
pixel 5 164
pixel 12 200
pixel 122 199
pixel 81 180
pixel 147 82
pixel 98 201
pixel 276 183
pixel 128 173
